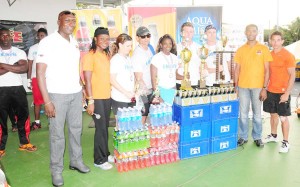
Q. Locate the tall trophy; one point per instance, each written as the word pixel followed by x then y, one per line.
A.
pixel 220 77
pixel 203 54
pixel 186 55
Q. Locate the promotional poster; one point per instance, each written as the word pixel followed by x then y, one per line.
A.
pixel 90 19
pixel 159 21
pixel 23 32
pixel 200 17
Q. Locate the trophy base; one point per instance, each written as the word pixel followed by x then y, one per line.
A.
pixel 222 85
pixel 186 85
pixel 202 84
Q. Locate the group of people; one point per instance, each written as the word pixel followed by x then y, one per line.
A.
pixel 268 77
pixel 112 78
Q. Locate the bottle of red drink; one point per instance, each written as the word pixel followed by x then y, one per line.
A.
pixel 157 157
pixel 152 157
pixel 167 156
pixel 176 152
pixel 125 165
pixel 148 160
pixel 143 161
pixel 162 156
pixel 177 131
pixel 119 166
pixel 130 163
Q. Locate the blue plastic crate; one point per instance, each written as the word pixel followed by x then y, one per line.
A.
pixel 224 110
pixel 223 143
pixel 195 132
pixel 224 127
pixel 187 115
pixel 192 150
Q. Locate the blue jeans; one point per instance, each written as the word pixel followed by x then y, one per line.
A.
pixel 247 96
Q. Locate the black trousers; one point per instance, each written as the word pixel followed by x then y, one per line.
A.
pixel 101 152
pixel 14 98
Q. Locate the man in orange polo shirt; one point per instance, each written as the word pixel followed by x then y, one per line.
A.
pixel 281 81
pixel 251 78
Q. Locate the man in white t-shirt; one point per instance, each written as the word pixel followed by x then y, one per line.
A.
pixel 187 34
pixel 59 81
pixel 32 82
pixel 213 45
pixel 141 60
pixel 13 62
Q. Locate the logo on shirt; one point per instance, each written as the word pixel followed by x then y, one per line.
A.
pixel 8 54
pixel 259 52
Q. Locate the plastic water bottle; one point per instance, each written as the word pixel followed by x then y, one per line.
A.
pixel 120 119
pixel 126 119
pixel 169 114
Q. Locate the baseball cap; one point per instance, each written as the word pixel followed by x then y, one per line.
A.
pixel 209 27
pixel 142 31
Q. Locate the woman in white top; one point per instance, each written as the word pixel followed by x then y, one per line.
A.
pixel 121 74
pixel 164 65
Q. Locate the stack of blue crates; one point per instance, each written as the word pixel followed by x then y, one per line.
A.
pixel 224 126
pixel 195 129
pixel 208 128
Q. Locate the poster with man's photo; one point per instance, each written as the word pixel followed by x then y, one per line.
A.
pixel 23 32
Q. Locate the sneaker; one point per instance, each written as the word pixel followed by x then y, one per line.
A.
pixel 241 142
pixel 284 148
pixel 35 126
pixel 270 138
pixel 2 153
pixel 259 143
pixel 28 147
pixel 111 159
pixel 104 166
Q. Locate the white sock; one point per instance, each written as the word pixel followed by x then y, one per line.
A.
pixel 37 121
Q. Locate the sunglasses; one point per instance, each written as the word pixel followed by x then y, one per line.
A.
pixel 148 36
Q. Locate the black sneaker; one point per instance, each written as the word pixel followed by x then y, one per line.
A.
pixel 241 142
pixel 259 143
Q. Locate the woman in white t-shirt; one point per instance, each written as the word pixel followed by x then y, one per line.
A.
pixel 163 67
pixel 122 74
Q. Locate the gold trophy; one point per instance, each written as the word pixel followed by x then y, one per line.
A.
pixel 219 59
pixel 186 55
pixel 203 54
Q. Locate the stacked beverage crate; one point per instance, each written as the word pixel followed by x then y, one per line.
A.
pixel 208 121
pixel 224 126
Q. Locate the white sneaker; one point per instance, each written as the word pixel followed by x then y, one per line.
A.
pixel 270 138
pixel 104 166
pixel 284 148
pixel 111 159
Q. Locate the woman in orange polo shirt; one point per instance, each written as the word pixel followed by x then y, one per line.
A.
pixel 96 71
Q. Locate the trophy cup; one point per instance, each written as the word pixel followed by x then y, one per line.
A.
pixel 156 95
pixel 203 54
pixel 186 55
pixel 219 61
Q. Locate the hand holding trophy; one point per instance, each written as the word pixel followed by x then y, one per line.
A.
pixel 203 54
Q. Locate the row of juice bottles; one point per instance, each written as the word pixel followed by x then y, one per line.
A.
pixel 125 141
pixel 146 158
pixel 164 135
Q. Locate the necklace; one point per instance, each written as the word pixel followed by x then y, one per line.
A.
pixel 6 55
pixel 170 63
